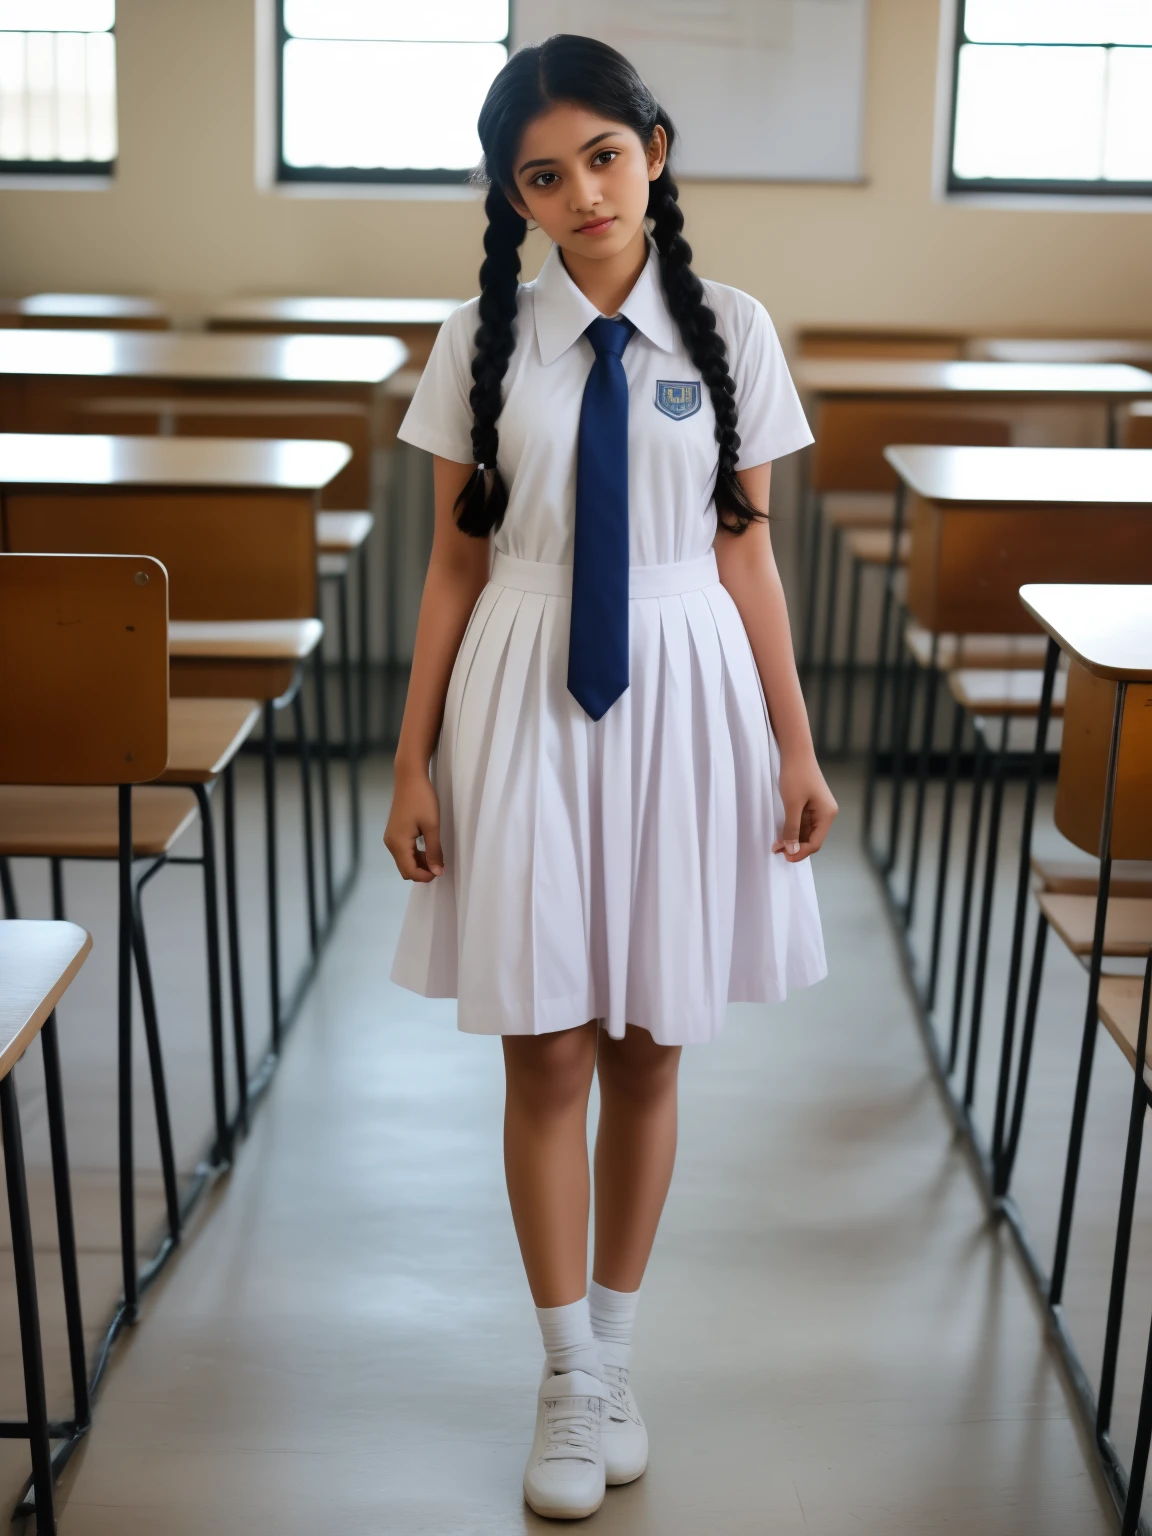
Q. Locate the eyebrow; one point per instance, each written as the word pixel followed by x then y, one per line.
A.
pixel 530 165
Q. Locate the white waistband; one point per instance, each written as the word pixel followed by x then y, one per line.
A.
pixel 643 580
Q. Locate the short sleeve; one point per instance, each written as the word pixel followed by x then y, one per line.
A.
pixel 439 417
pixel 771 419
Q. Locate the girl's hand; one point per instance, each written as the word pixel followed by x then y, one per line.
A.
pixel 415 812
pixel 809 809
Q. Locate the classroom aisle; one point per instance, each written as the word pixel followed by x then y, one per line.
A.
pixel 830 1339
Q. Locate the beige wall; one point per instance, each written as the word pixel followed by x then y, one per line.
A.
pixel 185 217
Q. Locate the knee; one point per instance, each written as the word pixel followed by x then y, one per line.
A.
pixel 637 1069
pixel 548 1075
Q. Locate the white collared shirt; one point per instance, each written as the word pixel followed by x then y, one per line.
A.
pixel 671 425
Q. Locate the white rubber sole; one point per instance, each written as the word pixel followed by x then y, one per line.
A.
pixel 550 1512
pixel 620 1479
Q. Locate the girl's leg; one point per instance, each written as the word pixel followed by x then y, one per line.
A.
pixel 635 1152
pixel 548 1080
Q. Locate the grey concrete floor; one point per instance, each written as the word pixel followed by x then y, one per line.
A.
pixel 831 1337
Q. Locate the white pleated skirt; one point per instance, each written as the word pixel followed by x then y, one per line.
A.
pixel 620 869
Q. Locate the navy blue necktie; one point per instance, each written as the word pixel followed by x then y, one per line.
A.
pixel 598 638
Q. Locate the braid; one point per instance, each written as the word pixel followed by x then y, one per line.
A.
pixel 705 346
pixel 482 503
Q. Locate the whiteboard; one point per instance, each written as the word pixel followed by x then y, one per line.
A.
pixel 759 90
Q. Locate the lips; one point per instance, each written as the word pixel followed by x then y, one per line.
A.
pixel 597 226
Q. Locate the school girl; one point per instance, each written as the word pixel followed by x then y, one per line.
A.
pixel 605 791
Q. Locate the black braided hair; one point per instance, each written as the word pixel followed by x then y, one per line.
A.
pixel 588 73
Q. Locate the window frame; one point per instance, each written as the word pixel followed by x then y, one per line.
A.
pixel 350 175
pixel 97 170
pixel 1024 186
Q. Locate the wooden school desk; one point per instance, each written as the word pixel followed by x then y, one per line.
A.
pixel 414 321
pixel 1069 349
pixel 85 311
pixel 983 522
pixel 254 386
pixel 1103 797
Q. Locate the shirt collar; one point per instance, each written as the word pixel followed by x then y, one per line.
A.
pixel 562 313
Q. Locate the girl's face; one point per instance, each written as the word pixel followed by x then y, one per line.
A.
pixel 584 179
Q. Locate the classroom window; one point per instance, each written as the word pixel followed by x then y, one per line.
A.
pixel 57 87
pixel 386 90
pixel 1052 96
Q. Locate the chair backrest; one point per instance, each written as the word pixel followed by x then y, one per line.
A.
pixel 1138 425
pixel 851 436
pixel 228 554
pixel 1088 716
pixel 83 669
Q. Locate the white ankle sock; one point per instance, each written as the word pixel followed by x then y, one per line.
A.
pixel 568 1339
pixel 612 1313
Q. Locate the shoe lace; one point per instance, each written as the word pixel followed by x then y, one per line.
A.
pixel 571 1425
pixel 616 1380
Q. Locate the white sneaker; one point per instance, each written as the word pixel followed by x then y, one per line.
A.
pixel 564 1478
pixel 622 1434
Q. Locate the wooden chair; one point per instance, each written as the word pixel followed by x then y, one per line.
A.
pixel 37 964
pixel 242 571
pixel 84 697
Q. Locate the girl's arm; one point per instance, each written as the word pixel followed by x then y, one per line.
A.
pixel 457 574
pixel 748 570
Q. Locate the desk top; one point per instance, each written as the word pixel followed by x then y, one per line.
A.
pixel 1072 349
pixel 90 306
pixel 367 313
pixel 46 459
pixel 222 358
pixel 897 376
pixel 37 963
pixel 1029 476
pixel 1108 629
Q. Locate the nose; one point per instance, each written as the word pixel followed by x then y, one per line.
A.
pixel 584 194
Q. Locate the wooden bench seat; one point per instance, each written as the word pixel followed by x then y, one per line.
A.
pixel 865 511
pixel 1080 877
pixel 997 652
pixel 245 639
pixel 873 546
pixel 204 735
pixel 342 533
pixel 1119 1007
pixel 37 963
pixel 1127 928
pixel 998 692
pixel 51 821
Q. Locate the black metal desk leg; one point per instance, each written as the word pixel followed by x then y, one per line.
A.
pixel 976 805
pixel 309 837
pixel 932 686
pixel 272 876
pixel 222 1152
pixel 945 856
pixel 984 934
pixel 124 1057
pixel 235 971
pixel 1088 1041
pixel 815 539
pixel 1124 1220
pixel 348 724
pixel 834 552
pixel 156 1066
pixel 848 703
pixel 25 1267
pixel 1023 884
pixel 880 680
pixel 319 673
pixel 65 1225
pixel 1004 1153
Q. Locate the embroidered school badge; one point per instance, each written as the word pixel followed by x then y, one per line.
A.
pixel 677 398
